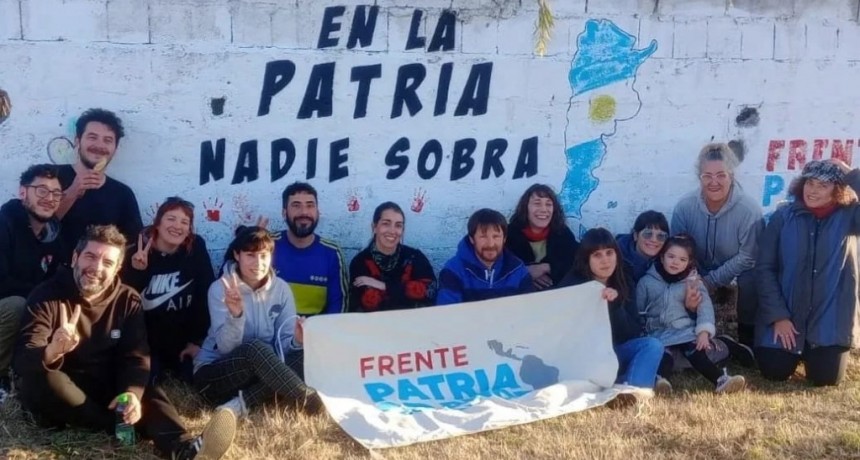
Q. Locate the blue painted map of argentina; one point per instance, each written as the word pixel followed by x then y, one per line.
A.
pixel 601 78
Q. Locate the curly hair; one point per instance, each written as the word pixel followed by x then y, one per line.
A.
pixel 843 195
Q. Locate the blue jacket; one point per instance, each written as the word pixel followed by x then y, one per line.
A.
pixel 464 278
pixel 637 264
pixel 807 272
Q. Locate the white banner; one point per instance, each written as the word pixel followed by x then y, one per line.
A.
pixel 396 378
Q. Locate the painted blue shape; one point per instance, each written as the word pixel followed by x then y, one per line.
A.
pixel 605 55
pixel 773 186
pixel 580 180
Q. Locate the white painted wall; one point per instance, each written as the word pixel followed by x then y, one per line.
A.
pixel 158 64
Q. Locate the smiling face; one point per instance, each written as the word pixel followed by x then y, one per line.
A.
pixel 650 241
pixel 95 267
pixel 388 231
pixel 602 264
pixel 302 214
pixel 174 227
pixel 716 181
pixel 97 144
pixel 253 265
pixel 539 211
pixel 818 194
pixel 41 198
pixel 675 260
pixel 488 241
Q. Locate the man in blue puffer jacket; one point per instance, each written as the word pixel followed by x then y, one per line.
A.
pixel 483 268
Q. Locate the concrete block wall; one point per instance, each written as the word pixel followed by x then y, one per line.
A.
pixel 764 73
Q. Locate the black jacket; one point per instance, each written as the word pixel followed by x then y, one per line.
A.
pixel 561 248
pixel 27 260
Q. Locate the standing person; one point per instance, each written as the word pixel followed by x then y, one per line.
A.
pixel 30 251
pixel 171 268
pixel 660 296
pixel 598 259
pixel 387 274
pixel 726 222
pixel 91 197
pixel 313 266
pixel 483 269
pixel 808 277
pixel 539 236
pixel 253 351
pixel 83 347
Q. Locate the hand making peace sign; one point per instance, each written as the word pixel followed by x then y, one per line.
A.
pixel 232 296
pixel 65 338
pixel 140 259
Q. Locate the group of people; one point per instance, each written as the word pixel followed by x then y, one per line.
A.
pixel 94 306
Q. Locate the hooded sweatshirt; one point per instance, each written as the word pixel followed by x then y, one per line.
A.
pixel 112 347
pixel 173 289
pixel 26 259
pixel 726 241
pixel 269 316
pixel 666 318
pixel 464 278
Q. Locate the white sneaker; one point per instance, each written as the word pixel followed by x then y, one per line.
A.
pixel 237 406
pixel 662 386
pixel 730 383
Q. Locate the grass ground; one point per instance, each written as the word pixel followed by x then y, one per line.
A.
pixel 784 420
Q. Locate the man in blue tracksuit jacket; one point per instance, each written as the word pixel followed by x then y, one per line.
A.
pixel 483 268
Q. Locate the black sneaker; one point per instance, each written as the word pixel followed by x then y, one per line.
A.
pixel 6 389
pixel 740 352
pixel 312 405
pixel 215 440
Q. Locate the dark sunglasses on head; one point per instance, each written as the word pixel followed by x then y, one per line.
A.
pixel 650 234
pixel 176 199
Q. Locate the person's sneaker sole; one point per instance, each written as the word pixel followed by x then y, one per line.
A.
pixel 218 435
pixel 663 386
pixel 742 353
pixel 735 384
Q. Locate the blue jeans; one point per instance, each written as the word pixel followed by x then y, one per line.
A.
pixel 638 360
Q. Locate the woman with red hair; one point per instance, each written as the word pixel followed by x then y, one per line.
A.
pixel 171 269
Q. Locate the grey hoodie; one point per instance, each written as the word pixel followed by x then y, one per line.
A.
pixel 726 241
pixel 666 318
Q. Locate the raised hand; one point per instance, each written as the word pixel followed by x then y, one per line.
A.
pixel 140 259
pixel 263 222
pixel 87 180
pixel 232 296
pixel 65 338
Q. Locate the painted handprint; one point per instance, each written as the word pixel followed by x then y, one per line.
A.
pixel 418 200
pixel 213 209
pixel 245 213
pixel 352 203
pixel 152 210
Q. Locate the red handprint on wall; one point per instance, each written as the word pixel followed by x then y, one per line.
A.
pixel 213 209
pixel 352 203
pixel 418 200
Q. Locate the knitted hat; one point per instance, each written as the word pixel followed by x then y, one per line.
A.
pixel 824 171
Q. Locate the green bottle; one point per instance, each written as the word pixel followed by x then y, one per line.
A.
pixel 123 432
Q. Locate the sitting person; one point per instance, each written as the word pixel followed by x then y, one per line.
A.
pixel 83 348
pixel 660 296
pixel 598 259
pixel 539 236
pixel 808 277
pixel 388 275
pixel 641 246
pixel 483 269
pixel 253 351
pixel 171 269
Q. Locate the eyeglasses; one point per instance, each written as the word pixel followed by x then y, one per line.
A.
pixel 43 192
pixel 719 177
pixel 650 234
pixel 176 199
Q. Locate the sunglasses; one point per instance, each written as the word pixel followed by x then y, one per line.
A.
pixel 176 199
pixel 650 234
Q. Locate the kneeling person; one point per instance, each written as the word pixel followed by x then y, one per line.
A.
pixel 83 346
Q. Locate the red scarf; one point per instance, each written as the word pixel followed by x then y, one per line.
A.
pixel 535 236
pixel 824 211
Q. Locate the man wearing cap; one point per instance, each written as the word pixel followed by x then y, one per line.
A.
pixel 808 277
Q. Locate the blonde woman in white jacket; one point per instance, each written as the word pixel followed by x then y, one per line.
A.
pixel 253 351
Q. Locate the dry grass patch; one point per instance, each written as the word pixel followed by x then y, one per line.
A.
pixel 787 421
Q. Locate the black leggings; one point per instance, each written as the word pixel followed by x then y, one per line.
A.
pixel 255 369
pixel 697 358
pixel 824 365
pixel 56 399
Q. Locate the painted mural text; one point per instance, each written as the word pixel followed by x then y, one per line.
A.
pixel 792 155
pixel 467 156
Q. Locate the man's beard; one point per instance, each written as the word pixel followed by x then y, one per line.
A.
pixel 304 230
pixel 37 217
pixel 84 161
pixel 92 290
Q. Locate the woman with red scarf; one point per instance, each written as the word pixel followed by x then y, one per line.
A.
pixel 388 275
pixel 538 235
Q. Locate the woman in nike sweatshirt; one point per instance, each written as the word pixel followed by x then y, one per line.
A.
pixel 171 269
pixel 253 351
